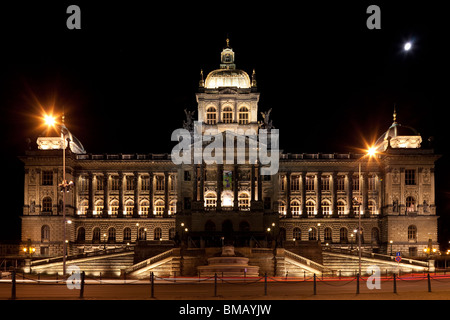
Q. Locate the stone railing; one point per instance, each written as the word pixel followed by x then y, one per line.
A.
pixel 149 261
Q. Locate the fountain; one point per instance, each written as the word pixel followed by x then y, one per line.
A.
pixel 228 264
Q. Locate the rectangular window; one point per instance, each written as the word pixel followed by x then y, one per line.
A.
pixel 145 183
pixel 130 183
pixel 372 185
pixel 84 184
pixel 114 183
pixel 159 183
pixel 341 183
pixel 295 183
pixel 100 183
pixel 325 183
pixel 187 176
pixel 47 178
pixel 282 183
pixel 355 183
pixel 410 177
pixel 309 183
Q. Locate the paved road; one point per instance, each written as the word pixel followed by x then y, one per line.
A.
pixel 189 289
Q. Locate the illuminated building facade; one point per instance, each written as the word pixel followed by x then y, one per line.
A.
pixel 119 199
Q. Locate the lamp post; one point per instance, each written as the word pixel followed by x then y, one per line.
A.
pixel 391 245
pixel 65 186
pixel 369 152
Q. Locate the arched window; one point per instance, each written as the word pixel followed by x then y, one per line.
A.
pixel 343 235
pixel 328 234
pixel 81 235
pixel 159 208
pixel 227 115
pixel 210 226
pixel 144 208
pixel 157 234
pixel 96 235
pixel 312 233
pixel 45 233
pixel 210 200
pixel 310 208
pixel 325 208
pixel 129 205
pixel 243 115
pixel 47 205
pixel 295 207
pixel 114 207
pixel 410 204
pixel 282 208
pixel 412 233
pixel 127 234
pixel 142 234
pixel 173 207
pixel 83 207
pixel 244 201
pixel 111 235
pixel 211 115
pixel 372 207
pixel 98 207
pixel 297 233
pixel 341 207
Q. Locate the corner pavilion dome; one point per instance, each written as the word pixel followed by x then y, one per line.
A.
pixel 227 75
pixel 399 136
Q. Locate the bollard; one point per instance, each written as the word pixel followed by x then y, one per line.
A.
pixel 395 284
pixel 124 278
pixel 340 274
pixel 429 282
pixel 315 291
pixel 357 283
pixel 13 283
pixel 265 284
pixel 304 275
pixel 152 284
pixel 215 284
pixel 82 285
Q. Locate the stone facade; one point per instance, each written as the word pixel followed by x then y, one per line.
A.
pixel 118 199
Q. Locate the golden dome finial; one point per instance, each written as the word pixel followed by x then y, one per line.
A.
pixel 228 42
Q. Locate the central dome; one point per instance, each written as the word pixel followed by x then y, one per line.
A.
pixel 227 75
pixel 227 78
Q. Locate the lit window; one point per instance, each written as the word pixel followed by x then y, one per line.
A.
pixel 144 207
pixel 159 208
pixel 47 178
pixel 211 115
pixel 372 207
pixel 244 201
pixel 410 204
pixel 114 207
pixel 281 208
pixel 210 200
pixel 173 207
pixel 129 207
pixel 227 115
pixel 310 208
pixel 98 207
pixel 243 115
pixel 295 208
pixel 341 207
pixel 325 208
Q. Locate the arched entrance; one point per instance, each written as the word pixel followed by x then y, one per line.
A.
pixel 227 230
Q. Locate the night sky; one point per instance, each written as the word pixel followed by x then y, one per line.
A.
pixel 125 78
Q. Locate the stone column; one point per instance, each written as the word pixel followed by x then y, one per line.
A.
pixel 105 195
pixel 252 183
pixel 91 195
pixel 195 184
pixel 120 210
pixel 351 213
pixel 202 184
pixel 136 195
pixel 166 194
pixel 150 195
pixel 288 195
pixel 219 186
pixel 235 188
pixel 259 177
pixel 303 195
pixel 319 195
pixel 334 195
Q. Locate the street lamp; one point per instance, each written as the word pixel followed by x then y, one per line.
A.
pixel 370 152
pixel 65 186
pixel 391 245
